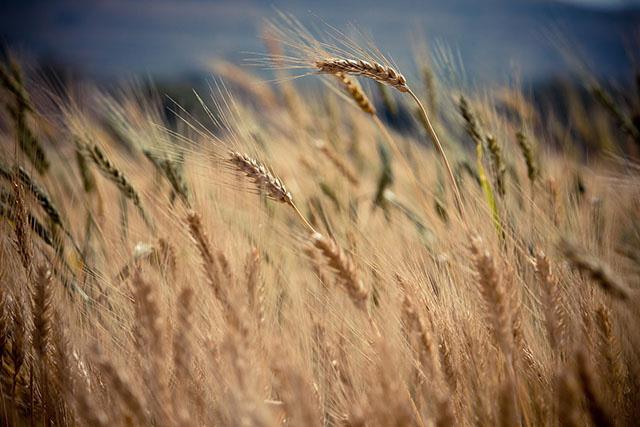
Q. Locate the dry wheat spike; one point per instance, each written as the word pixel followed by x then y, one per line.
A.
pixel 344 268
pixel 353 88
pixel 260 175
pixel 373 70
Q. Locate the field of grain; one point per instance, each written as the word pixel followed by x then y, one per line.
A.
pixel 288 254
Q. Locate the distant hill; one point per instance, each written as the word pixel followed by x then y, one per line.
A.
pixel 169 37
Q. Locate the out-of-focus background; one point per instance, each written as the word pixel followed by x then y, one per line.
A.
pixel 176 39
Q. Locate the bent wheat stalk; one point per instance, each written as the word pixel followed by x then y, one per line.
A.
pixel 352 87
pixel 388 76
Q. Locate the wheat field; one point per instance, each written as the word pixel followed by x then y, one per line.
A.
pixel 282 254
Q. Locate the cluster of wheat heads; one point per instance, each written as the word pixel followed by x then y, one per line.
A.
pixel 255 283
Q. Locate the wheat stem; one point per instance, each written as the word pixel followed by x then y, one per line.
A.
pixel 438 146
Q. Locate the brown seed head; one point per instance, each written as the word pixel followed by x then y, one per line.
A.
pixel 261 177
pixel 375 71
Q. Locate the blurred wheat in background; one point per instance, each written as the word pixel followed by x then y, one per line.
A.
pixel 289 254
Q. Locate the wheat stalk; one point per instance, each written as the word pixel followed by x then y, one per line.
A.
pixel 389 76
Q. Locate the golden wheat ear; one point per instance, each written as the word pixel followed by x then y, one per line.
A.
pixel 389 76
pixel 344 267
pixel 352 87
pixel 265 181
pixel 373 70
pixel 260 175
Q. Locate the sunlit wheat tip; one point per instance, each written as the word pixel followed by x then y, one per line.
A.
pixel 261 177
pixel 375 71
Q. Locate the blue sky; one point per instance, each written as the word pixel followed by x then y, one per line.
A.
pixel 168 37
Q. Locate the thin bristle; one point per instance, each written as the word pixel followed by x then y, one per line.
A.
pixel 338 162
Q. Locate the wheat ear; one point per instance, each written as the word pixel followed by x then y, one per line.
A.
pixel 42 312
pixel 265 181
pixel 112 173
pixel 344 268
pixel 387 75
pixel 493 293
pixel 120 383
pixel 5 332
pixel 44 200
pixel 528 153
pixel 417 325
pixel 611 350
pixel 353 88
pixel 598 271
pixel 212 269
pixel 554 315
pixel 18 338
pixel 373 70
pixel 23 242
pixel 498 163
pixel 470 122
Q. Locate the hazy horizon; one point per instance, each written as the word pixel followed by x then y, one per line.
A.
pixel 169 38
